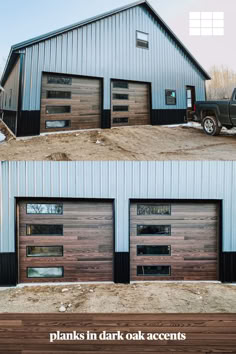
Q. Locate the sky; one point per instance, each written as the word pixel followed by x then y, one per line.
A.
pixel 25 19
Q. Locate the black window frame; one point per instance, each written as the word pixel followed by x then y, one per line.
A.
pixel 166 97
pixel 62 255
pixel 117 84
pixel 153 254
pixel 154 205
pixel 122 122
pixel 120 110
pixel 58 77
pixel 50 235
pixel 61 204
pixel 153 235
pixel 154 275
pixel 142 41
pixel 58 98
pixel 55 113
pixel 58 120
pixel 59 277
pixel 120 94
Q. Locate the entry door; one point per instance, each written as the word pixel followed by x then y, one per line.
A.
pixel 174 241
pixel 191 98
pixel 65 241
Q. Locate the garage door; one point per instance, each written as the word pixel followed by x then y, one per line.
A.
pixel 70 103
pixel 130 103
pixel 176 241
pixel 65 241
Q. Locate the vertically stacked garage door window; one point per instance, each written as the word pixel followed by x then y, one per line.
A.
pixel 70 102
pixel 36 230
pixel 174 241
pixel 129 103
pixel 65 241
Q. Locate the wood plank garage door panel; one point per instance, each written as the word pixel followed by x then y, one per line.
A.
pixel 138 103
pixel 87 241
pixel 85 103
pixel 193 240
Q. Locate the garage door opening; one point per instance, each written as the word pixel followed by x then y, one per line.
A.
pixel 130 103
pixel 70 103
pixel 174 240
pixel 65 241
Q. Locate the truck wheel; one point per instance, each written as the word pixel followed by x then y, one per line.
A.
pixel 210 126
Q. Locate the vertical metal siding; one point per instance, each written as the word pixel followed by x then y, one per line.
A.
pixel 12 83
pixel 120 181
pixel 107 48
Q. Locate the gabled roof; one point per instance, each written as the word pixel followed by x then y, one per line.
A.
pixel 17 47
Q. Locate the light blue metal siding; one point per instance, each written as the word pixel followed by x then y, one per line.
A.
pixel 120 181
pixel 107 48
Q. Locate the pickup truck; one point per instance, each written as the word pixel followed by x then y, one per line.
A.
pixel 213 115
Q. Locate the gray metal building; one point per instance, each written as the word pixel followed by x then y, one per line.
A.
pixel 144 210
pixel 128 61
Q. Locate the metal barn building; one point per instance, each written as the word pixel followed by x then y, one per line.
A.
pixel 117 221
pixel 125 67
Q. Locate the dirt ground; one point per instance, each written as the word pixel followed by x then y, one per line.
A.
pixel 153 297
pixel 123 143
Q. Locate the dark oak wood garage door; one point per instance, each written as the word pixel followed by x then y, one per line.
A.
pixel 70 103
pixel 65 241
pixel 130 103
pixel 174 241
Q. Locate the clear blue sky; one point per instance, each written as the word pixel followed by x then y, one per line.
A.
pixel 24 19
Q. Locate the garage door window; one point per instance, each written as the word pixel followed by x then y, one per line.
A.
pixel 121 120
pixel 58 109
pixel 44 209
pixel 153 230
pixel 121 84
pixel 50 272
pixel 155 270
pixel 153 250
pixel 59 80
pixel 59 94
pixel 120 96
pixel 153 209
pixel 44 230
pixel 57 124
pixel 120 108
pixel 44 251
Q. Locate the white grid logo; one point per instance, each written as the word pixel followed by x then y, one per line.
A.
pixel 206 23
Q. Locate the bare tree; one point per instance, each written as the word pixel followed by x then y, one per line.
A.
pixel 222 83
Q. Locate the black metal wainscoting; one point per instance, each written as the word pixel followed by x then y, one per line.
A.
pixel 28 123
pixel 168 116
pixel 122 267
pixel 8 269
pixel 10 118
pixel 106 119
pixel 228 267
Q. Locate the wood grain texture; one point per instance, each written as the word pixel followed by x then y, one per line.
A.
pixel 193 240
pixel 205 333
pixel 87 241
pixel 85 104
pixel 138 102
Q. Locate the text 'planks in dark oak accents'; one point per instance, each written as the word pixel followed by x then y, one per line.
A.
pixel 206 333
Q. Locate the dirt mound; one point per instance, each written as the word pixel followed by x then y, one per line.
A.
pixel 58 156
